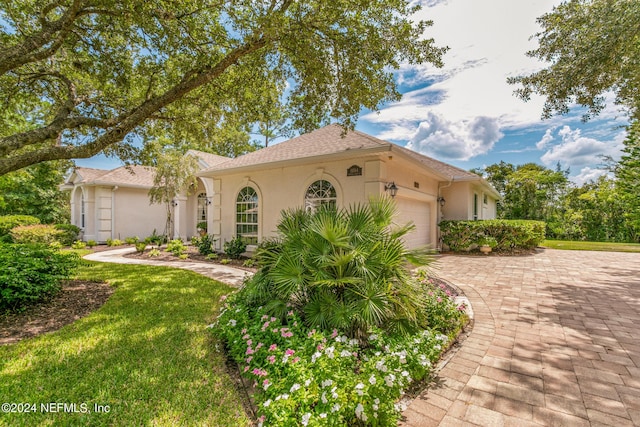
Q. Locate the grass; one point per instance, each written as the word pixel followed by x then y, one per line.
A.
pixel 591 246
pixel 146 354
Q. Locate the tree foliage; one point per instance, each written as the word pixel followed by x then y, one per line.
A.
pixel 174 174
pixel 35 191
pixel 593 46
pixel 628 177
pixel 91 76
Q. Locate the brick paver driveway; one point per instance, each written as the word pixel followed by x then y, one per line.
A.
pixel 556 341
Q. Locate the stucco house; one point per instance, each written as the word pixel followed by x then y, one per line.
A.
pixel 245 195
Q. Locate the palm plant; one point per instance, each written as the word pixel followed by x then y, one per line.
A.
pixel 342 269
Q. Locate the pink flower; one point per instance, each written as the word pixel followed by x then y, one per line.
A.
pixel 246 337
pixel 295 359
pixel 271 359
pixel 273 319
pixel 265 384
pixel 223 297
pixel 264 317
pixel 290 313
pixel 249 359
pixel 261 419
pixel 243 331
pixel 320 347
pixel 250 351
pixel 289 352
pixel 439 299
pixel 287 334
pixel 249 342
pixel 259 345
pixel 273 347
pixel 334 333
pixel 246 368
pixel 265 326
pixel 275 331
pixel 260 372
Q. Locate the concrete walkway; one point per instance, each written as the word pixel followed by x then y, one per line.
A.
pixel 555 342
pixel 222 273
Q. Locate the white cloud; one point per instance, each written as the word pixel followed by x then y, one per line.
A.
pixel 588 174
pixel 546 139
pixel 441 138
pixel 576 150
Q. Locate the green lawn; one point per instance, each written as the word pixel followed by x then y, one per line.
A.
pixel 146 354
pixel 591 246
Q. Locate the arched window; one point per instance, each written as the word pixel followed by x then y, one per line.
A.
pixel 319 193
pixel 247 215
pixel 201 214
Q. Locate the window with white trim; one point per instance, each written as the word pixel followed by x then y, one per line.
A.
pixel 201 214
pixel 319 193
pixel 247 215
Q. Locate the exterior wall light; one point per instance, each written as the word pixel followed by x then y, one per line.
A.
pixel 442 201
pixel 391 188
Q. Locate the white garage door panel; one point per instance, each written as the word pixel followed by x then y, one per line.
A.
pixel 419 213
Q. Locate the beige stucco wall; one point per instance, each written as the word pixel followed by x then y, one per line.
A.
pixel 285 187
pixel 459 198
pixel 134 216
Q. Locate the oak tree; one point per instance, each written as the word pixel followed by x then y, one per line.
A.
pixel 91 76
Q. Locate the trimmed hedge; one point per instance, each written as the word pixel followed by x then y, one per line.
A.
pixel 70 235
pixel 509 234
pixel 31 273
pixel 8 222
pixel 37 234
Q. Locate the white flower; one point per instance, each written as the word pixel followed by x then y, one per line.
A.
pixel 345 353
pixel 380 366
pixel 333 393
pixel 315 356
pixel 323 415
pixel 353 342
pixel 267 403
pixel 389 379
pixel 340 339
pixel 294 388
pixel 335 407
pixel 307 382
pixel 324 397
pixel 424 361
pixel 359 388
pixel 232 322
pixel 360 412
pixel 373 337
pixel 326 383
pixel 404 373
pixel 372 380
pixel 329 352
pixel 305 418
pixel 442 338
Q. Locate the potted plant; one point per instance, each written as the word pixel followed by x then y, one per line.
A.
pixel 202 228
pixel 486 243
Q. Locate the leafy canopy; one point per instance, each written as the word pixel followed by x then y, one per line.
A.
pixel 91 76
pixel 593 47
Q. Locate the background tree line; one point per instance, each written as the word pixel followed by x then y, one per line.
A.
pixel 607 209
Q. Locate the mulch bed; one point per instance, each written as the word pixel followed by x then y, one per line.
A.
pixel 77 299
pixel 193 255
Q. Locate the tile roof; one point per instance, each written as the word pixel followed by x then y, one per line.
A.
pixel 208 158
pixel 331 140
pixel 132 176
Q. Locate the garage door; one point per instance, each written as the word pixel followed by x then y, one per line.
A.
pixel 410 210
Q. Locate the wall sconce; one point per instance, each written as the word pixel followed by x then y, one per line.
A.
pixel 391 188
pixel 442 201
pixel 208 202
pixel 174 203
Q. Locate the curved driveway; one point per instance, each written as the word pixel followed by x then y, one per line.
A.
pixel 555 341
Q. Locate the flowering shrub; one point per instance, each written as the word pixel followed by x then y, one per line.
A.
pixel 313 378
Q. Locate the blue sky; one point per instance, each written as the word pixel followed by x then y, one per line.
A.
pixel 466 114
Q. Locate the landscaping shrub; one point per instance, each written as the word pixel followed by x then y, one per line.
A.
pixel 509 235
pixel 324 378
pixel 78 244
pixel 92 243
pixel 235 247
pixel 342 269
pixel 131 240
pixel 36 234
pixel 156 239
pixel 8 222
pixel 140 247
pixel 30 273
pixel 69 233
pixel 114 242
pixel 204 244
pixel 176 247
